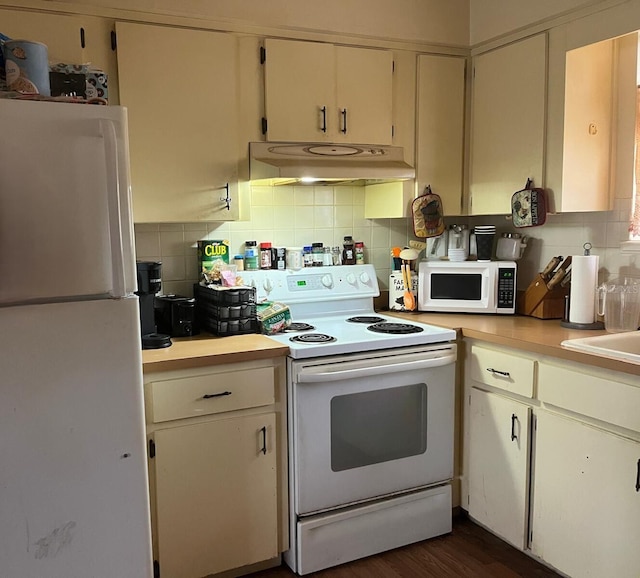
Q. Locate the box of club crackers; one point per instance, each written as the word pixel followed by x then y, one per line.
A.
pixel 213 255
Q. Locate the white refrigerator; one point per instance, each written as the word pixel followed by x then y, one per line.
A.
pixel 74 499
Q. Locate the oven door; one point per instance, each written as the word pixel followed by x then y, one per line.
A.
pixel 368 426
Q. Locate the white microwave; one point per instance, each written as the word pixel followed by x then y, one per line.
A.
pixel 467 286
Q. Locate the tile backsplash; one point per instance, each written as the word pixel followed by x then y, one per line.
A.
pixel 300 215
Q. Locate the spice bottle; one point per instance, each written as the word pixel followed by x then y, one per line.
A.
pixel 336 256
pixel 348 253
pixel 317 250
pixel 265 255
pixel 238 261
pixel 359 250
pixel 250 255
pixel 307 256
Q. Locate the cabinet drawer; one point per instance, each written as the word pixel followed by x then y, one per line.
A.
pixel 212 393
pixel 597 396
pixel 504 370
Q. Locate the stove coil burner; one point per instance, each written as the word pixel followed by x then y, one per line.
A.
pixel 298 326
pixel 365 319
pixel 312 338
pixel 395 328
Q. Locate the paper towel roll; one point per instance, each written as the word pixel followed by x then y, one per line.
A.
pixel 584 278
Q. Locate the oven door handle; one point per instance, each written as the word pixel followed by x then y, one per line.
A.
pixel 369 371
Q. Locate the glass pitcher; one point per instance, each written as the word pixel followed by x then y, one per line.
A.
pixel 619 302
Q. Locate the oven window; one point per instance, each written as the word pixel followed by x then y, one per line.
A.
pixel 378 426
pixel 459 286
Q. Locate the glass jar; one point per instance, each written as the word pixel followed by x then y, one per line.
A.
pixel 307 256
pixel 327 258
pixel 265 255
pixel 317 250
pixel 336 256
pixel 294 258
pixel 250 255
pixel 348 252
pixel 359 251
pixel 238 261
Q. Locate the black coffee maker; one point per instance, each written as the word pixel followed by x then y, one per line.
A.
pixel 149 281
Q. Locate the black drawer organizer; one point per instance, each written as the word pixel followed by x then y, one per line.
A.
pixel 226 310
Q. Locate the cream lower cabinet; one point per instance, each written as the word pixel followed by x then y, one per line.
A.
pixel 498 441
pixel 507 123
pixel 217 461
pixel 499 465
pixel 180 88
pixel 586 507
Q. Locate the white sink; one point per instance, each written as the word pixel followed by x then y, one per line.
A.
pixel 623 346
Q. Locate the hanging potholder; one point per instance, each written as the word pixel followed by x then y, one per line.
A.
pixel 428 215
pixel 529 206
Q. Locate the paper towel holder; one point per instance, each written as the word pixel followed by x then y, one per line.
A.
pixel 596 325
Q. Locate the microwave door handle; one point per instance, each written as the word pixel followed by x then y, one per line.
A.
pixel 114 208
pixel 341 374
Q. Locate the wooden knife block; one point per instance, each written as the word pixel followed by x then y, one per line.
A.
pixel 538 301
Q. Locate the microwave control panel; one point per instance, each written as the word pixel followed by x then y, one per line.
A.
pixel 506 288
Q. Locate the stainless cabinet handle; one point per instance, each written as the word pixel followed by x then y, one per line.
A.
pixel 212 395
pixel 638 476
pixel 323 110
pixel 263 430
pixel 227 198
pixel 497 372
pixel 514 419
pixel 343 130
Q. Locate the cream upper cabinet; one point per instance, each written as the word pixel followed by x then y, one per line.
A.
pixel 440 128
pixel 508 123
pixel 183 122
pixel 586 502
pixel 499 464
pixel 61 33
pixel 316 92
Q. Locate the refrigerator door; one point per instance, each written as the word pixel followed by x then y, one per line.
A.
pixel 66 230
pixel 74 498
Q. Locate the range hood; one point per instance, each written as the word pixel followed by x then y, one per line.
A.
pixel 324 163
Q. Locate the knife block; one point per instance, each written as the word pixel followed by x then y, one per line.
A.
pixel 540 301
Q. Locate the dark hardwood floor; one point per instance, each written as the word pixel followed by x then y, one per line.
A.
pixel 468 552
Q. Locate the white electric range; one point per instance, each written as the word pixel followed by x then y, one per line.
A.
pixel 370 401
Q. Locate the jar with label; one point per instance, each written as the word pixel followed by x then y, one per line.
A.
pixel 307 256
pixel 250 255
pixel 359 250
pixel 265 255
pixel 336 256
pixel 327 258
pixel 348 251
pixel 238 261
pixel 317 251
pixel 278 255
pixel 294 258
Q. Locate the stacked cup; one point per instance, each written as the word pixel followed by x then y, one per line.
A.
pixel 458 254
pixel 485 234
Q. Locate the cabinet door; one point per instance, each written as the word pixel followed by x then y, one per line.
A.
pixel 440 138
pixel 179 86
pixel 300 91
pixel 364 84
pixel 586 503
pixel 499 465
pixel 61 33
pixel 508 123
pixel 216 495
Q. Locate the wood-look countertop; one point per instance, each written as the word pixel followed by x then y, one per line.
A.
pixel 526 333
pixel 206 349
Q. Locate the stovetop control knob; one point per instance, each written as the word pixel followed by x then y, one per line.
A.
pixel 268 286
pixel 364 277
pixel 351 279
pixel 327 281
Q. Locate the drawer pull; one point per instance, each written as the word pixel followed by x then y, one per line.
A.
pixel 263 430
pixel 212 395
pixel 514 419
pixel 498 372
pixel 638 476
